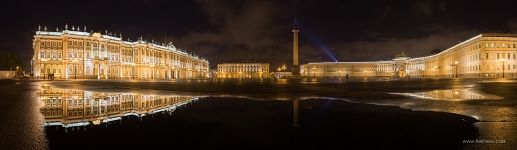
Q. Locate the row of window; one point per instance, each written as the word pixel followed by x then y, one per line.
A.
pixel 504 56
pixel 111 57
pixel 235 67
pixel 503 45
pixel 104 48
pixel 244 70
pixel 51 44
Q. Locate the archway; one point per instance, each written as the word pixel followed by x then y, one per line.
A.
pixel 400 70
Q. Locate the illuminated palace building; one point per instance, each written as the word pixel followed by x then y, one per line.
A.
pixel 483 56
pixel 243 70
pixel 75 54
pixel 72 108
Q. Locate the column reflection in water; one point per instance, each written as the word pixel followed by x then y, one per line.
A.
pixel 71 108
pixel 296 104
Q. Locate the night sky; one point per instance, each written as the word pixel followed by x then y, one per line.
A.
pixel 228 31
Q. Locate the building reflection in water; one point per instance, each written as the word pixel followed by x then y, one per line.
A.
pixel 72 108
pixel 452 95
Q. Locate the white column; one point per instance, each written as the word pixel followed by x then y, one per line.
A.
pixel 66 71
pixel 106 71
pixel 98 71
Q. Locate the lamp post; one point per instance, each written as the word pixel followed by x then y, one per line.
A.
pixel 456 70
pixel 314 71
pixel 75 71
pixel 503 68
pixel 17 71
pixel 435 71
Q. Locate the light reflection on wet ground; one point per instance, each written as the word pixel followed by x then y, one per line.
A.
pixel 492 102
pixel 83 114
pixel 496 122
pixel 497 115
pixel 452 95
pixel 72 108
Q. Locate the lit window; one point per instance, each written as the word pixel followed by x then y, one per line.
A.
pixel 491 44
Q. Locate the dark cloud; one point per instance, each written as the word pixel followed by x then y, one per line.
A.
pixel 229 30
pixel 244 30
pixel 388 47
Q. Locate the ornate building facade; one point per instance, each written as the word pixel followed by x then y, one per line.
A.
pixel 484 56
pixel 75 54
pixel 243 70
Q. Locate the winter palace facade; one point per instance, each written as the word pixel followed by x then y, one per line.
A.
pixel 483 56
pixel 75 54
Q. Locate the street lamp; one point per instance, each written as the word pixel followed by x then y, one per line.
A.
pixel 435 71
pixel 75 71
pixel 456 72
pixel 503 68
pixel 313 71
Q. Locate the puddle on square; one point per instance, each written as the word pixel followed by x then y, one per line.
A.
pixel 453 95
pixel 112 116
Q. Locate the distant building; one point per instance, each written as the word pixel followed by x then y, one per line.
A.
pixel 282 74
pixel 243 70
pixel 213 73
pixel 75 54
pixel 483 56
pixel 7 74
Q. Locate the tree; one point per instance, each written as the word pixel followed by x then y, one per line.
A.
pixel 9 61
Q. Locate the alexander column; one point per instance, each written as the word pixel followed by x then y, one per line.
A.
pixel 295 68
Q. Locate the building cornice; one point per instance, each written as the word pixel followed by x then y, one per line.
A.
pixel 170 47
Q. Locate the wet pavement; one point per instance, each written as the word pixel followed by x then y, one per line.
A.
pixel 260 113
